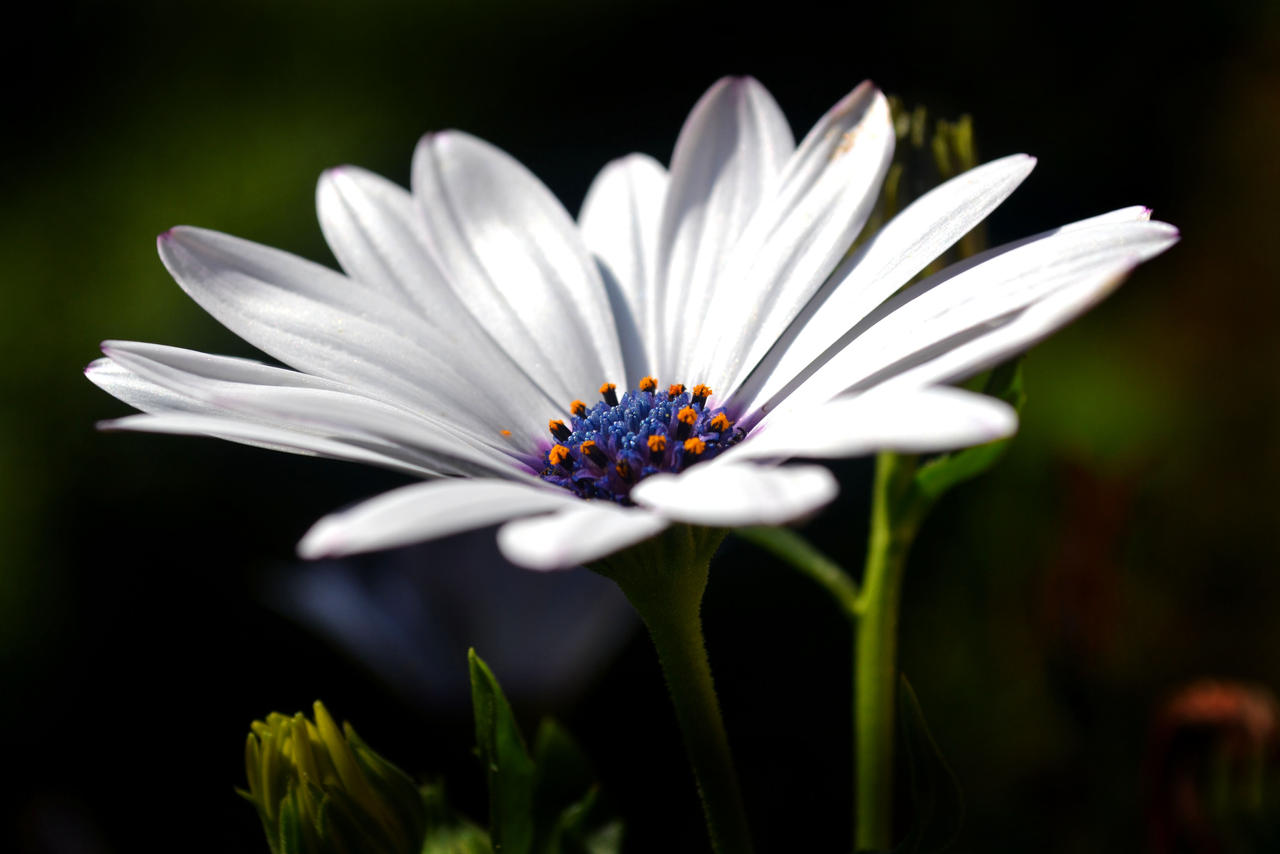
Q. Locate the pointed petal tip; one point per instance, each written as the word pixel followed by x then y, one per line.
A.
pixel 734 84
pixel 319 542
pixel 424 145
pixel 179 235
pixel 1020 163
pixel 98 365
pixel 114 347
pixel 1169 231
pixel 443 136
pixel 329 178
pixel 864 97
pixel 1026 164
pixel 438 143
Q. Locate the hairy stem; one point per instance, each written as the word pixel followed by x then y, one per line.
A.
pixel 665 579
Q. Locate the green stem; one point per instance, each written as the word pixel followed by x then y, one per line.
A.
pixel 665 578
pixel 800 553
pixel 895 516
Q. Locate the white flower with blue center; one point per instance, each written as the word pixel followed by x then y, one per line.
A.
pixel 588 384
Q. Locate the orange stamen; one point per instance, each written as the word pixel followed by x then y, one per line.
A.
pixel 593 453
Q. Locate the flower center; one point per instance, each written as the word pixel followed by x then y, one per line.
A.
pixel 607 449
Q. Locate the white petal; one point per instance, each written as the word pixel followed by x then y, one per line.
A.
pixel 902 248
pixel 123 384
pixel 223 368
pixel 515 259
pixel 725 493
pixel 333 412
pixel 911 421
pixel 317 321
pixel 825 194
pixel 272 437
pixel 378 236
pixel 424 511
pixel 577 534
pixel 375 233
pixel 161 399
pixel 619 222
pixel 726 162
pixel 1015 335
pixel 949 308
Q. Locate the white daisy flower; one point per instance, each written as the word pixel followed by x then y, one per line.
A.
pixel 588 384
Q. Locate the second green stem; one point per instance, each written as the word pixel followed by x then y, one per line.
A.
pixel 894 519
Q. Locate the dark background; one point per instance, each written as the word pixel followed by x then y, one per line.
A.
pixel 1126 545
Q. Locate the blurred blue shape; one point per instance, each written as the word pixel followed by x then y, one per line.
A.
pixel 410 615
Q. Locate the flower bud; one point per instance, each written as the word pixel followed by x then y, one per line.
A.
pixel 321 790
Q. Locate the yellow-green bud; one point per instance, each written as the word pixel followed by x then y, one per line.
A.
pixel 321 790
pixel 928 152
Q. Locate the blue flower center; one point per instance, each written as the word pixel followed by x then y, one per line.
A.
pixel 605 450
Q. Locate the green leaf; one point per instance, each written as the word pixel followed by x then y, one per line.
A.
pixel 562 776
pixel 568 813
pixel 448 832
pixel 508 768
pixel 605 840
pixel 937 807
pixel 544 804
pixel 586 827
pixel 939 475
pixel 457 839
pixel 1006 383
